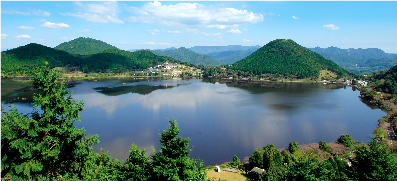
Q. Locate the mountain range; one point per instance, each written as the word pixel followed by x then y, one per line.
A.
pixel 359 61
pixel 90 55
pixel 186 55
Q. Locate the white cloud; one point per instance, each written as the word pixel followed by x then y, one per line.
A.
pixel 174 31
pixel 236 31
pixel 63 38
pixel 247 40
pixel 40 12
pixel 106 12
pixel 148 43
pixel 55 25
pixel 197 32
pixel 41 20
pixel 245 29
pixel 331 27
pixel 192 15
pixel 83 31
pixel 26 28
pixel 154 31
pixel 125 42
pixel 15 13
pixel 153 43
pixel 4 36
pixel 35 12
pixel 23 36
pixel 294 17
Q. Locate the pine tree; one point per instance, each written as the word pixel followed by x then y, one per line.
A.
pixel 45 143
pixel 173 162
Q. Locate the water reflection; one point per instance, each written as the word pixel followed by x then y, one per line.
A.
pixel 221 119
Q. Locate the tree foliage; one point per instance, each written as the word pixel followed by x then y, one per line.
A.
pixel 45 143
pixel 173 162
pixel 186 55
pixel 285 57
pixel 346 140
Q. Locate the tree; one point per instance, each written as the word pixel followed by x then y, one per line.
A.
pixel 373 162
pixel 323 146
pixel 293 147
pixel 346 140
pixel 236 162
pixel 271 156
pixel 173 162
pixel 256 159
pixel 137 166
pixel 46 143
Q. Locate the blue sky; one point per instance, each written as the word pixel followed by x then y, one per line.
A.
pixel 163 24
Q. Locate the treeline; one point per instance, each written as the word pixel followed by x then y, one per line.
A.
pixel 359 61
pixel 84 46
pixel 23 60
pixel 383 87
pixel 186 55
pixel 45 145
pixel 287 58
pixel 356 161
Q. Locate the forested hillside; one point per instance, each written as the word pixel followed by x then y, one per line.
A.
pixel 84 46
pixel 386 81
pixel 285 57
pixel 226 54
pixel 359 61
pixel 117 61
pixel 23 60
pixel 186 55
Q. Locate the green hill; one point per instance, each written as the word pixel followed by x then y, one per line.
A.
pixel 84 46
pixel 358 61
pixel 186 55
pixel 226 54
pixel 386 81
pixel 115 60
pixel 287 58
pixel 23 60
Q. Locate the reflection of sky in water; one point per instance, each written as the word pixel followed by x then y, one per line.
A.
pixel 222 121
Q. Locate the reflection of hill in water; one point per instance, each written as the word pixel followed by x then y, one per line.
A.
pixel 139 89
pixel 264 86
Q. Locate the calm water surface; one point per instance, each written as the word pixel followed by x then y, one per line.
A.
pixel 221 119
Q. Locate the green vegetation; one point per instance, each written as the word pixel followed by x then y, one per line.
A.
pixel 358 61
pixel 23 60
pixel 226 54
pixel 84 46
pixel 186 55
pixel 45 145
pixel 287 58
pixel 374 161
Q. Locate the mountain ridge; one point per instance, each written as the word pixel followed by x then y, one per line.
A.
pixel 286 57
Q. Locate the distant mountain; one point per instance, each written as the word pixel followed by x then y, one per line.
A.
pixel 226 54
pixel 186 55
pixel 358 61
pixel 285 57
pixel 115 60
pixel 22 60
pixel 84 46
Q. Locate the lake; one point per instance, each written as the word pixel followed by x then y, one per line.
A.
pixel 221 119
